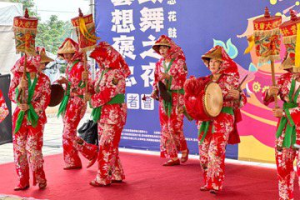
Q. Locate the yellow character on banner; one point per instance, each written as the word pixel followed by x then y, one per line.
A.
pixel 268 26
pixel 285 32
pixel 27 41
pixel 294 29
pixel 262 26
pixel 21 24
pixel 27 25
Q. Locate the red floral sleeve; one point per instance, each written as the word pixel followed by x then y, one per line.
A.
pixel 112 83
pixel 156 76
pixel 178 73
pixel 12 88
pixel 42 100
pixel 75 79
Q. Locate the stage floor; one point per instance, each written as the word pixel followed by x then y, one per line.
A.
pixel 146 178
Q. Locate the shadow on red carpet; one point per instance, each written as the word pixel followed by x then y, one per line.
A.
pixel 146 178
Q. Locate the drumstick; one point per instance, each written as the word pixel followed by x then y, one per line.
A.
pixel 242 82
pixel 239 87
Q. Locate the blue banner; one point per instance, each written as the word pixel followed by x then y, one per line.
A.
pixel 132 26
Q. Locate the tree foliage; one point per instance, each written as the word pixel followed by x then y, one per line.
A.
pixel 29 4
pixel 52 33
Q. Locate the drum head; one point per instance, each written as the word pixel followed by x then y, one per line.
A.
pixel 57 95
pixel 213 99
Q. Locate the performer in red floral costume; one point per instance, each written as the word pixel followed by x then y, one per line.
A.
pixel 214 135
pixel 170 71
pixel 288 128
pixel 110 112
pixel 73 106
pixel 44 58
pixel 289 118
pixel 29 119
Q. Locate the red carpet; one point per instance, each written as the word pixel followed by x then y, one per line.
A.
pixel 147 179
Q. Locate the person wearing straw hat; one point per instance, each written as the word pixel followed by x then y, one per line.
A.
pixel 288 128
pixel 73 106
pixel 170 74
pixel 285 152
pixel 44 58
pixel 29 119
pixel 3 108
pixel 214 135
pixel 109 112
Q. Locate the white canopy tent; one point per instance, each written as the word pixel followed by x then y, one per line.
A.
pixel 8 54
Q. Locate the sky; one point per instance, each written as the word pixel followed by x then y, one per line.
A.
pixel 64 9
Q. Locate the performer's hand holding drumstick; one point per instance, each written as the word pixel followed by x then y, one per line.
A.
pixel 165 76
pixel 235 94
pixel 154 95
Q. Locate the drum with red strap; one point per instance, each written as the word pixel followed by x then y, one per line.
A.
pixel 203 101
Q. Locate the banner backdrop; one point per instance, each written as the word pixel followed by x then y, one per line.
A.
pixel 132 26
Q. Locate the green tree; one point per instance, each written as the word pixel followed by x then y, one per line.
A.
pixel 52 33
pixel 29 4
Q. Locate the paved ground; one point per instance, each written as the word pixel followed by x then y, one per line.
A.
pixel 52 137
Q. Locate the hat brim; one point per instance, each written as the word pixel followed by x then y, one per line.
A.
pixel 46 59
pixel 213 54
pixel 155 47
pixel 287 64
pixel 206 59
pixel 64 51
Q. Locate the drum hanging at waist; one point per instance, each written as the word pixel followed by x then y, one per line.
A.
pixel 207 103
pixel 57 94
